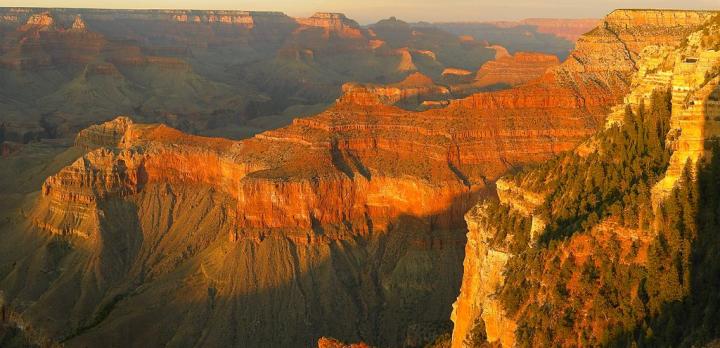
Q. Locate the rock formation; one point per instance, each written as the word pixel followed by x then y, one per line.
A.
pixel 358 210
pixel 347 224
pixel 515 70
pixel 651 41
pixel 333 23
pixel 507 71
pixel 230 73
pixel 413 90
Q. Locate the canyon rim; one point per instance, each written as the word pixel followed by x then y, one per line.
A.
pixel 226 178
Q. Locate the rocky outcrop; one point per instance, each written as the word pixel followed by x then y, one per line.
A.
pixel 509 71
pixel 406 61
pixel 354 218
pixel 660 64
pixel 695 119
pixel 109 134
pixel 334 193
pixel 413 90
pixel 41 20
pixel 333 22
pixel 456 72
pixel 482 275
pixel 78 24
pixel 484 267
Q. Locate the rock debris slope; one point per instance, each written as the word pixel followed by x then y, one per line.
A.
pixel 347 224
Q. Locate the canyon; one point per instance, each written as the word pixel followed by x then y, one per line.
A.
pixel 219 73
pixel 360 222
pixel 683 63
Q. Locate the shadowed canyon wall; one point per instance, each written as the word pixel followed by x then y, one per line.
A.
pixel 346 224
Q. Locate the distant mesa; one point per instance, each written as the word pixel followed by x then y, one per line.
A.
pixel 406 61
pixel 522 67
pixel 500 51
pixel 503 72
pixel 78 24
pixel 569 29
pixel 333 22
pixel 456 71
pixel 415 89
pixel 40 20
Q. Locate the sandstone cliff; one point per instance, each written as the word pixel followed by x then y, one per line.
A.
pixel 654 45
pixel 505 71
pixel 228 73
pixel 412 91
pixel 362 204
pixel 347 224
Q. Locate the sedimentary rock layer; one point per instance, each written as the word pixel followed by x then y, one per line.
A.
pixel 347 224
pixel 651 42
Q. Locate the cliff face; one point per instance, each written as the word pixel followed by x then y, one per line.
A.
pixel 347 224
pixel 483 270
pixel 510 71
pixel 227 73
pixel 358 210
pixel 335 23
pixel 596 74
pixel 412 91
pixel 663 64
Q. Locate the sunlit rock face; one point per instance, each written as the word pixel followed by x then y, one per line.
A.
pixel 413 90
pixel 503 72
pixel 348 224
pixel 666 53
pixel 663 63
pixel 219 72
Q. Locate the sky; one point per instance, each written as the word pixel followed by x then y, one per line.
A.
pixel 370 11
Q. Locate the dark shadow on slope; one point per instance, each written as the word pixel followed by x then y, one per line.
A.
pixel 286 290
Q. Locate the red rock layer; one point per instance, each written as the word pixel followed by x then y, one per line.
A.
pixel 413 90
pixel 355 173
pixel 623 34
pixel 514 70
pixel 363 158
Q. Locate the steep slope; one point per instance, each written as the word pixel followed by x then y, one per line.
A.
pixel 57 72
pixel 598 246
pixel 208 72
pixel 410 92
pixel 347 224
pixel 504 72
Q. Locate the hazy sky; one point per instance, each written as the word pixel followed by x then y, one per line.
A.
pixel 367 11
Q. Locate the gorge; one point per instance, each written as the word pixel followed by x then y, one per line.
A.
pixel 362 222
